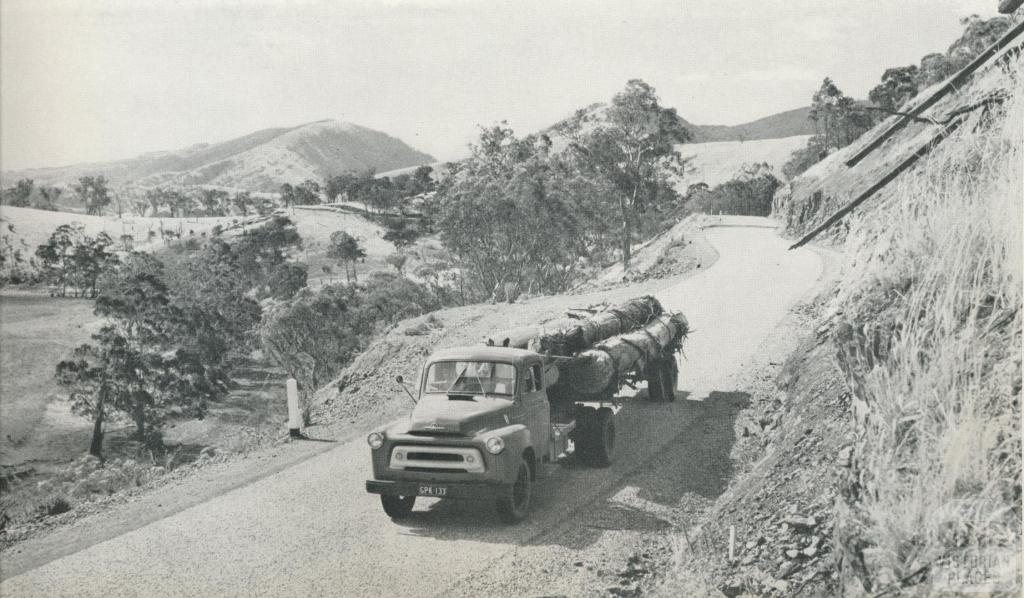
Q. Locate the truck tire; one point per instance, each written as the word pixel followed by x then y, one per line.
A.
pixel 670 377
pixel 655 381
pixel 397 507
pixel 596 443
pixel 514 507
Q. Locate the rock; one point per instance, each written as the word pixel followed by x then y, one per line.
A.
pixel 732 587
pixel 792 553
pixel 810 551
pixel 747 560
pixel 787 569
pixel 801 523
pixel 845 457
pixel 780 586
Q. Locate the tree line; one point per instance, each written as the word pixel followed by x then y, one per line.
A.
pixel 174 326
pixel 839 119
pixel 524 215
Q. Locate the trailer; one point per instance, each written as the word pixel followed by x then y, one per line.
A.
pixel 487 417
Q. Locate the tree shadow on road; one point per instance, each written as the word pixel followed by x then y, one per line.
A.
pixel 574 505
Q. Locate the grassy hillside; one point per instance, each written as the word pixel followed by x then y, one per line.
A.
pixel 718 162
pixel 927 326
pixel 260 161
pixel 34 227
pixel 784 124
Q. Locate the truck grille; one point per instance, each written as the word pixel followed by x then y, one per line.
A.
pixel 437 459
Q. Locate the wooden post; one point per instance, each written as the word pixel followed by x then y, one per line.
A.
pixel 895 172
pixel 1008 6
pixel 294 416
pixel 732 543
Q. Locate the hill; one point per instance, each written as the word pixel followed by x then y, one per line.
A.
pixel 260 161
pixel 784 124
pixel 714 163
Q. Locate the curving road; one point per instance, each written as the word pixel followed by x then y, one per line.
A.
pixel 312 530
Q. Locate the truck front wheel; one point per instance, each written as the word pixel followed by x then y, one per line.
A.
pixel 513 507
pixel 397 507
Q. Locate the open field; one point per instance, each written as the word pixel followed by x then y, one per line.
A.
pixel 37 332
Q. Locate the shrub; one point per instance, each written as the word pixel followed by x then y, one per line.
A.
pixel 748 195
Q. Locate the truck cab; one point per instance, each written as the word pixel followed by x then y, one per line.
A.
pixel 483 423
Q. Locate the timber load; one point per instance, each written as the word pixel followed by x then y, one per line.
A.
pixel 568 336
pixel 600 369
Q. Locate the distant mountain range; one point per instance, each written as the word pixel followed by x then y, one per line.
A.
pixel 263 160
pixel 260 161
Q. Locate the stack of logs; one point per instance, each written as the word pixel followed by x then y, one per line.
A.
pixel 603 345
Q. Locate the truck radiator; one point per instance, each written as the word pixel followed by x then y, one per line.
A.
pixel 436 459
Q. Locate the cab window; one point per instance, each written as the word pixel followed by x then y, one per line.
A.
pixel 483 377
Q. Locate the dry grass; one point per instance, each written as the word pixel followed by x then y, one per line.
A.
pixel 933 292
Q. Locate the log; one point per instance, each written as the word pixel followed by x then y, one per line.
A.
pixel 597 371
pixel 567 336
pixel 571 335
pixel 517 338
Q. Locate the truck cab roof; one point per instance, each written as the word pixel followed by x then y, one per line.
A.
pixel 485 353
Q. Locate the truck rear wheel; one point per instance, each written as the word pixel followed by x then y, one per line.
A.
pixel 513 507
pixel 596 441
pixel 397 507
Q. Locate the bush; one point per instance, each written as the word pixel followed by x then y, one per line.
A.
pixel 749 195
pixel 803 158
pixel 54 506
pixel 315 335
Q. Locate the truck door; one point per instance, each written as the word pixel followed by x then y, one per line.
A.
pixel 535 405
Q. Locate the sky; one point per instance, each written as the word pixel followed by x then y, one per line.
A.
pixel 100 80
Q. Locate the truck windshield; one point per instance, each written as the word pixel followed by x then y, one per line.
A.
pixel 474 377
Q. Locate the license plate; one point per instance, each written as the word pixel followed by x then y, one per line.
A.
pixel 433 491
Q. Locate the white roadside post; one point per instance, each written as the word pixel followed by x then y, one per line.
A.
pixel 294 417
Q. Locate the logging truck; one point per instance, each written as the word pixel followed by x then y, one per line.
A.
pixel 487 417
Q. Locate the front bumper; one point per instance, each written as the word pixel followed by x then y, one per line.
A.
pixel 457 490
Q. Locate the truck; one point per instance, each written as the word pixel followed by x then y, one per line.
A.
pixel 487 417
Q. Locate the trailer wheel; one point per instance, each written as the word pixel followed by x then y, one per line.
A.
pixel 397 507
pixel 597 439
pixel 670 376
pixel 654 381
pixel 513 507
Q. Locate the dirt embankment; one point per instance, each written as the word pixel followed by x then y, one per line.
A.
pixel 786 431
pixel 790 452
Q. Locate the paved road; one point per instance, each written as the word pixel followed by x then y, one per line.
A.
pixel 312 530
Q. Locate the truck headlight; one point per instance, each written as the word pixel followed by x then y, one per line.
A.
pixel 375 440
pixel 495 445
